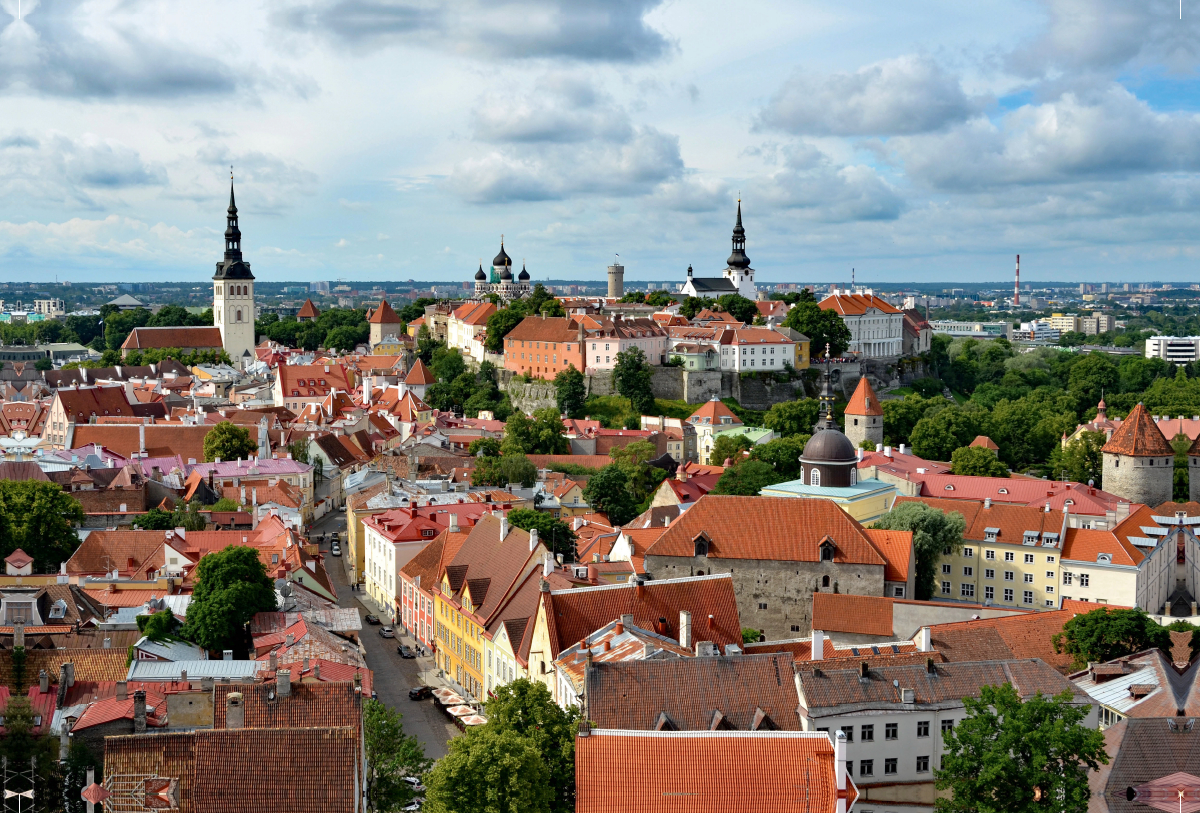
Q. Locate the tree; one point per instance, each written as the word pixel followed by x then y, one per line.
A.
pixel 227 441
pixel 489 772
pixel 820 326
pixel 484 447
pixel 738 306
pixel 1106 634
pixel 499 325
pixel 541 434
pixel 1007 755
pixel 631 377
pixel 793 417
pixel 782 454
pixel 299 449
pixel 500 471
pixel 391 756
pixel 729 447
pixel 447 364
pixel 159 627
pixel 225 504
pixel 1092 375
pixel 976 461
pixel 933 533
pixel 608 491
pixel 231 586
pixel 556 534
pixel 1081 460
pixel 572 394
pixel 155 519
pixel 747 478
pixel 634 459
pixel 751 636
pixel 40 519
pixel 660 299
pixel 937 435
pixel 692 305
pixel 525 707
pixel 43 364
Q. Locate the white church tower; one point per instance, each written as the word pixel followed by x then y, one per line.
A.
pixel 738 269
pixel 233 294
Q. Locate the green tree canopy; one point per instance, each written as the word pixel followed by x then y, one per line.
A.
pixel 161 626
pixel 40 519
pixel 391 756
pixel 1007 755
pixel 499 325
pixel 747 478
pixel 729 447
pixel 231 586
pixel 1081 461
pixel 1092 375
pixel 541 434
pixel 692 305
pixel 227 441
pixel 225 504
pixel 937 435
pixel 490 772
pixel 634 459
pixel 485 447
pixel 155 519
pixel 783 454
pixel 820 326
pixel 571 392
pixel 933 532
pixel 631 377
pixel 739 307
pixel 976 461
pixel 608 491
pixel 553 533
pixel 500 471
pixel 1106 634
pixel 793 417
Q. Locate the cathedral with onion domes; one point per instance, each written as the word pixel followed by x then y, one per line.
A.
pixel 501 281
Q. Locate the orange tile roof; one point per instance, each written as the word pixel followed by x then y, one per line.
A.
pixel 707 772
pixel 1009 521
pixel 310 380
pixel 142 338
pixel 896 547
pixel 1085 545
pixel 984 442
pixel 864 401
pixel 308 310
pixel 1139 436
pixel 767 528
pixel 419 374
pixel 475 313
pixel 310 705
pixel 384 315
pixel 856 304
pixel 1028 635
pixel 714 410
pixel 549 329
pixel 172 439
pixel 842 612
pixel 81 404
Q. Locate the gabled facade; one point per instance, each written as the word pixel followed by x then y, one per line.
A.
pixel 876 326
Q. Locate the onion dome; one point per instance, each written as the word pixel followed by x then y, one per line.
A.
pixel 524 275
pixel 506 274
pixel 502 260
pixel 479 275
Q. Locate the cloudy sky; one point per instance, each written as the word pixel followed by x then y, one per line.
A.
pixel 398 139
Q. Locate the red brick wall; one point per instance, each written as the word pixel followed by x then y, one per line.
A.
pixel 107 501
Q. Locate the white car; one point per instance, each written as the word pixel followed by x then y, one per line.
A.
pixel 337 551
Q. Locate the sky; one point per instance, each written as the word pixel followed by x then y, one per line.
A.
pixel 390 140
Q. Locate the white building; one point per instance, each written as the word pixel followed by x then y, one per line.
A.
pixel 755 349
pixel 876 326
pixel 606 338
pixel 233 295
pixel 466 326
pixel 972 330
pixel 1175 349
pixel 737 278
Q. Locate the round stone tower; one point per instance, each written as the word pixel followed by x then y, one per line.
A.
pixel 1139 463
pixel 616 281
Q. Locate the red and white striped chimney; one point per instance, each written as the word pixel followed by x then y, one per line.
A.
pixel 1017 285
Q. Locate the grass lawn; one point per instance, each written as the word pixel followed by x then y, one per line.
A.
pixel 959 398
pixel 902 391
pixel 613 410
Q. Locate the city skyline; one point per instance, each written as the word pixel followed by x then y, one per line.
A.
pixel 380 140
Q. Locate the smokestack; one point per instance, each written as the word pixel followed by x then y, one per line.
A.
pixel 685 629
pixel 283 682
pixel 1017 285
pixel 818 645
pixel 235 712
pixel 43 681
pixel 139 712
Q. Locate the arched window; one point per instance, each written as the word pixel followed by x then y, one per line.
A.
pixel 814 477
pixel 824 581
pixel 853 476
pixel 239 316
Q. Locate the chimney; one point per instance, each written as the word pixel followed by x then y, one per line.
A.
pixel 206 684
pixel 273 661
pixel 18 636
pixel 289 639
pixel 107 643
pixel 283 682
pixel 839 749
pixel 235 711
pixel 317 671
pixel 987 502
pixel 685 629
pixel 183 676
pixel 43 682
pixel 533 540
pixel 887 451
pixel 122 690
pixel 641 588
pixel 454 523
pixel 503 528
pixel 618 629
pixel 548 567
pixel 576 523
pixel 142 438
pixel 64 742
pixel 818 645
pixel 139 712
pixel 227 655
pixel 929 667
pixel 627 620
pixel 924 640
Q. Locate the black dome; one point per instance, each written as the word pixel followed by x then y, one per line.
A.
pixel 501 260
pixel 829 446
pixel 506 274
pixel 479 275
pixel 524 275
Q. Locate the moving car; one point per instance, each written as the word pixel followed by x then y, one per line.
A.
pixel 419 692
pixel 337 551
pixel 371 619
pixel 387 632
pixel 415 783
pixel 406 652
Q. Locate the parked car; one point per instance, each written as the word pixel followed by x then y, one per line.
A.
pixel 335 537
pixel 387 632
pixel 406 652
pixel 415 805
pixel 337 551
pixel 419 692
pixel 415 783
pixel 371 619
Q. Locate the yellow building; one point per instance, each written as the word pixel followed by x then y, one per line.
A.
pixel 356 511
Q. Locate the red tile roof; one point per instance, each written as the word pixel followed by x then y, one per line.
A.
pixel 842 612
pixel 707 772
pixel 18 558
pixel 1139 436
pixel 311 380
pixel 162 439
pixel 419 375
pixel 308 310
pixel 475 313
pixel 856 304
pixel 81 404
pixel 1028 635
pixel 384 315
pixel 1017 491
pixel 769 529
pixel 142 338
pixel 714 411
pixel 864 401
pixel 896 547
pixel 548 329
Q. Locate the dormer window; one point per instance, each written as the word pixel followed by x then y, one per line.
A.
pixel 827 549
pixel 949 487
pixel 1031 537
pixel 702 543
pixel 1003 491
pixel 990 534
pixel 1104 558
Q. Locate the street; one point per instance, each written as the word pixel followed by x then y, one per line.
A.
pixel 393 675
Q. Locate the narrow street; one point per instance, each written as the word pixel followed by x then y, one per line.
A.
pixel 394 676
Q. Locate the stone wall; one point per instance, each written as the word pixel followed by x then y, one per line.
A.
pixel 786 588
pixel 1137 481
pixel 528 397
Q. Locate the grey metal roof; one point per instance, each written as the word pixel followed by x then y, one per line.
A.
pixel 172 670
pixel 713 284
pixel 1114 692
pixel 171 650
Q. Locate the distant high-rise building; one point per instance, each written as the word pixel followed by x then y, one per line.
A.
pixel 318 287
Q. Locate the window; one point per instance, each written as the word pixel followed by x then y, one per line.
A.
pixel 945 570
pixel 947 725
pixel 967 590
pixel 1050 602
pixel 1049 588
pixel 946 588
pixel 923 728
pixel 897 591
pixel 1028 597
pixel 1008 556
pixel 889 731
pixel 990 555
pixel 988 573
pixel 1029 558
pixel 1009 576
pixel 1028 578
pixel 989 593
pixel 868 733
pixel 968 552
pixel 866 767
pixel 1008 594
pixel 1084 578
pixel 1067 577
pixel 968 571
pixel 848 730
pixel 814 477
pixel 922 764
pixel 762 605
pixel 1049 560
pixel 1050 575
pixel 889 767
pixel 849 767
pixel 795 627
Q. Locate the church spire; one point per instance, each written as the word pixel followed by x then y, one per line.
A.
pixel 738 258
pixel 233 235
